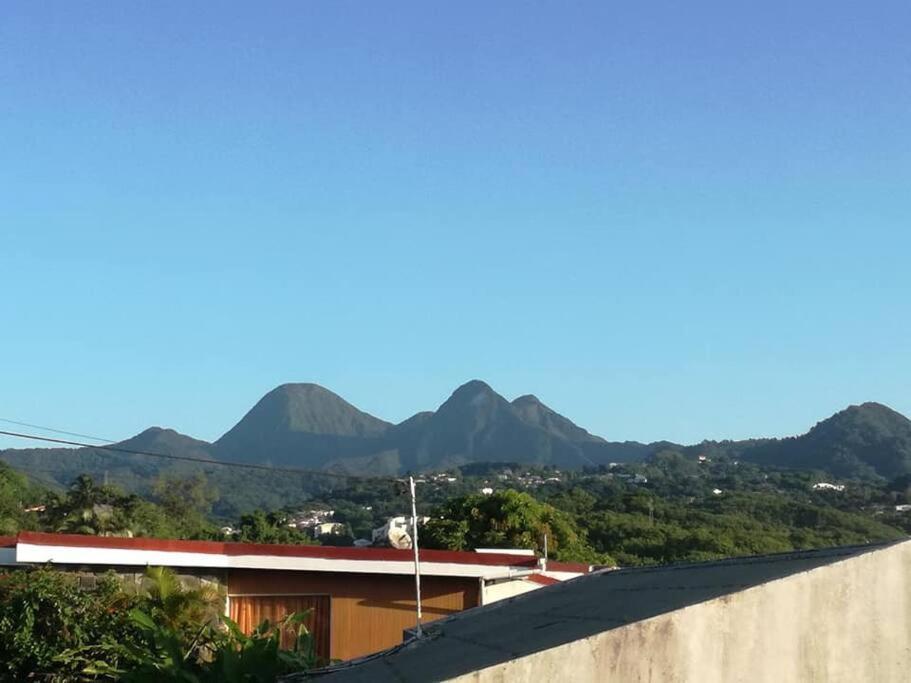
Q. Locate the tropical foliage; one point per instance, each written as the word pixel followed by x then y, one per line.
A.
pixel 54 628
pixel 682 509
pixel 272 527
pixel 45 613
pixel 673 507
pixel 508 519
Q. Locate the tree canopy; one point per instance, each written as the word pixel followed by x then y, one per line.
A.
pixel 508 519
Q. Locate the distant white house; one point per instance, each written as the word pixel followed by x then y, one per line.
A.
pixel 328 528
pixel 717 492
pixel 487 490
pixel 307 519
pixel 826 486
pixel 903 508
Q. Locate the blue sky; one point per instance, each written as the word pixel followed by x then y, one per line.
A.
pixel 667 220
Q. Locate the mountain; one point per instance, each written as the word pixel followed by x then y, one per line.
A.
pixel 59 466
pixel 301 425
pixel 593 449
pixel 158 440
pixel 532 411
pixel 861 441
pixel 477 424
pixel 307 426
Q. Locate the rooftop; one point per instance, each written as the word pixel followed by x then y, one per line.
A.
pixel 571 611
pixel 37 547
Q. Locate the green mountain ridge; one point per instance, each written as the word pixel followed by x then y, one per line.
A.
pixel 869 439
pixel 309 427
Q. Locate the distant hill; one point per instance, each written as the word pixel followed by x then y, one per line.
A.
pixel 307 426
pixel 861 441
pixel 158 440
pixel 57 467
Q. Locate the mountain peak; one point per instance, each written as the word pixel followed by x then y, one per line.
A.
pixel 168 441
pixel 863 440
pixel 311 408
pixel 301 389
pixel 474 398
pixel 532 410
pixel 871 414
pixel 473 388
pixel 302 424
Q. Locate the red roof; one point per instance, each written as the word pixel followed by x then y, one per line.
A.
pixel 543 580
pixel 311 551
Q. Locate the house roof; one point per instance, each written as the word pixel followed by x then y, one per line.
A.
pixel 569 611
pixel 543 579
pixel 38 547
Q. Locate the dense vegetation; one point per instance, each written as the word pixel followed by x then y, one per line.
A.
pixel 17 494
pixel 509 519
pixel 177 508
pixel 686 511
pixel 54 628
pixel 673 507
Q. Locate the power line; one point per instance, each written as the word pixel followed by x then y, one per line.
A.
pixel 188 458
pixel 55 431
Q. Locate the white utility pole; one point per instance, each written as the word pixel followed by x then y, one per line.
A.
pixel 418 632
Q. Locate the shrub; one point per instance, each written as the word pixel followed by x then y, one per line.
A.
pixel 45 612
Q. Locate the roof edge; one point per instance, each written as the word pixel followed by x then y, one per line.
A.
pixel 280 550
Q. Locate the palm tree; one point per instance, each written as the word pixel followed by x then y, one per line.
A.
pixel 174 605
pixel 89 509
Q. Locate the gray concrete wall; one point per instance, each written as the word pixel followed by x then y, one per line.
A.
pixel 849 621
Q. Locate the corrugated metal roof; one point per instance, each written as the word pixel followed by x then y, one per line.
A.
pixel 570 611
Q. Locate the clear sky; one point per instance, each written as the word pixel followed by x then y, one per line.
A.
pixel 667 220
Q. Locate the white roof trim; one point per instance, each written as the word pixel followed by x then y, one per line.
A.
pixel 30 553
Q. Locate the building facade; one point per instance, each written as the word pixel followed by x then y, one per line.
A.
pixel 361 600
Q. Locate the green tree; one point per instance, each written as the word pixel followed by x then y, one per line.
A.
pixel 52 628
pixel 87 508
pixel 261 527
pixel 176 606
pixel 188 502
pixel 15 494
pixel 508 519
pixel 44 613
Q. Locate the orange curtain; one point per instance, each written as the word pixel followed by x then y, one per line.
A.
pixel 250 611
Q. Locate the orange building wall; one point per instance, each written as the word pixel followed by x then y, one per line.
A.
pixel 368 611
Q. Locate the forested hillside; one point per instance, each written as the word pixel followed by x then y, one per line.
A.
pixel 668 509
